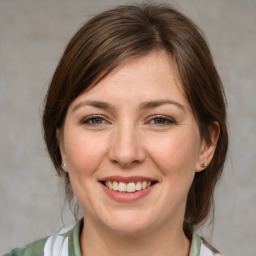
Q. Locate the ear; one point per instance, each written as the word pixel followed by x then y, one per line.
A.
pixel 59 136
pixel 207 149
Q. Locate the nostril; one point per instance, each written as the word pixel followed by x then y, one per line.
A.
pixel 126 152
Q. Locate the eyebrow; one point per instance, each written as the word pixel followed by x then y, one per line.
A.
pixel 96 104
pixel 158 103
pixel 143 106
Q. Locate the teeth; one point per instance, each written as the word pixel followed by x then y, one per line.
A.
pixel 143 184
pixel 129 187
pixel 115 185
pixel 138 186
pixel 122 187
pixel 109 184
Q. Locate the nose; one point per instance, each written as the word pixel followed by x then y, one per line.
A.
pixel 126 147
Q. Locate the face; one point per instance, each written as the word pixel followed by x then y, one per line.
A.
pixel 132 147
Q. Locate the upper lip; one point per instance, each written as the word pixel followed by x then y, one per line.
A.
pixel 127 179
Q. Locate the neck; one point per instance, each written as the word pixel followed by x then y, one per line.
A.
pixel 164 241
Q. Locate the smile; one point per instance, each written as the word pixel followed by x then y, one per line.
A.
pixel 127 187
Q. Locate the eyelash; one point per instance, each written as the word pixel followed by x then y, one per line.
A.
pixel 90 119
pixel 167 121
pixel 94 120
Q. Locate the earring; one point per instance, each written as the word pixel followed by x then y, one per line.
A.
pixel 64 165
pixel 204 165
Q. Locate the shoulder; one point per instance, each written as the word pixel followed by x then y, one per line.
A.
pixel 34 249
pixel 62 242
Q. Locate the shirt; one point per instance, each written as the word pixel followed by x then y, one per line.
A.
pixel 65 242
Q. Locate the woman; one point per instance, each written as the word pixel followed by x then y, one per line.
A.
pixel 135 123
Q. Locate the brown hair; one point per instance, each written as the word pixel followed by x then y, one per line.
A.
pixel 126 32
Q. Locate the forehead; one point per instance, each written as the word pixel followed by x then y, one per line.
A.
pixel 151 75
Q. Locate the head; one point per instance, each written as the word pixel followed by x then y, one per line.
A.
pixel 119 35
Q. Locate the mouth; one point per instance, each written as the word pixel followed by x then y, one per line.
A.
pixel 128 184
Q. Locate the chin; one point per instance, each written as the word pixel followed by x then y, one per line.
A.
pixel 128 230
pixel 129 224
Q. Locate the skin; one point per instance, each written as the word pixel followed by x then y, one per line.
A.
pixel 131 138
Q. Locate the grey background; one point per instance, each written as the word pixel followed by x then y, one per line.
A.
pixel 33 34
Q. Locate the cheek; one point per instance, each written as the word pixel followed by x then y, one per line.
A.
pixel 84 153
pixel 175 153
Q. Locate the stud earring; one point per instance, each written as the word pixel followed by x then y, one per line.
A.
pixel 64 165
pixel 204 165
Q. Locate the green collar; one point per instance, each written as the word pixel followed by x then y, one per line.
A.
pixel 195 245
pixel 74 240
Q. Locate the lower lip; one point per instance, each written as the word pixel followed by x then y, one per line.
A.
pixel 126 196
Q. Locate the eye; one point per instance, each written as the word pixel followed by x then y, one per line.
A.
pixel 94 120
pixel 161 120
